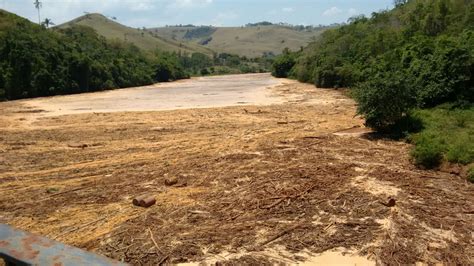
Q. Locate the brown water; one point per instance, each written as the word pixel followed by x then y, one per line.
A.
pixel 205 92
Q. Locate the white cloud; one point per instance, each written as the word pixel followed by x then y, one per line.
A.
pixel 142 6
pixel 223 17
pixel 352 11
pixel 287 9
pixel 272 12
pixel 189 3
pixel 333 11
pixel 61 11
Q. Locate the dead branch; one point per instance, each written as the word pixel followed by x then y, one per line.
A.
pixel 282 233
pixel 289 197
pixel 154 242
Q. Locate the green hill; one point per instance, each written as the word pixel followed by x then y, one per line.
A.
pixel 36 61
pixel 250 41
pixel 143 39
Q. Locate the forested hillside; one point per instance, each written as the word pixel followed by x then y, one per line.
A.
pixel 418 55
pixel 36 62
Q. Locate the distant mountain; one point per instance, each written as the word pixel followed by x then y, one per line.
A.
pixel 251 41
pixel 142 38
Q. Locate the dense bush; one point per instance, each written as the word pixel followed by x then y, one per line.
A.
pixel 195 62
pixel 383 99
pixel 283 64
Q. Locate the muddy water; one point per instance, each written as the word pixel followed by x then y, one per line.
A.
pixel 206 92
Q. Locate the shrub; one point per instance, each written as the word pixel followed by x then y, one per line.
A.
pixel 283 64
pixel 384 100
pixel 470 175
pixel 460 151
pixel 428 151
pixel 326 78
pixel 205 72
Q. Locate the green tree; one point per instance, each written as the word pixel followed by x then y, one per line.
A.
pixel 385 99
pixel 283 64
pixel 47 22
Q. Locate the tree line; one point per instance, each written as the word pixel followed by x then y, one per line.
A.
pixel 36 62
pixel 420 54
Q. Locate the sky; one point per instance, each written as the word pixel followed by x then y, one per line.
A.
pixel 154 13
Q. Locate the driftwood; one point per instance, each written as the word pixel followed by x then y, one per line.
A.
pixel 282 233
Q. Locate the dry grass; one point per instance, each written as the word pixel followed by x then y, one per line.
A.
pixel 249 41
pixel 142 39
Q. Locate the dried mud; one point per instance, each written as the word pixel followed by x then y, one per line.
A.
pixel 257 185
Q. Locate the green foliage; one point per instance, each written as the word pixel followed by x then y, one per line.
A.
pixel 470 175
pixel 231 60
pixel 428 151
pixel 384 99
pixel 448 131
pixel 196 62
pixel 440 68
pixel 39 62
pixel 205 72
pixel 199 64
pixel 199 32
pixel 420 54
pixel 283 64
pixel 168 67
pixel 459 151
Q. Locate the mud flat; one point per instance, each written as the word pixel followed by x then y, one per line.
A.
pixel 204 92
pixel 295 178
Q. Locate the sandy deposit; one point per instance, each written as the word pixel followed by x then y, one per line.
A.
pixel 258 184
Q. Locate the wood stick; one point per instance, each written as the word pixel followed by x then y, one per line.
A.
pixel 163 259
pixel 290 197
pixel 67 191
pixel 282 233
pixel 153 239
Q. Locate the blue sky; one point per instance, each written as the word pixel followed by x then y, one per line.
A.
pixel 149 13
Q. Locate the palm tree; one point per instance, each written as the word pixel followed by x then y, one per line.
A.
pixel 38 6
pixel 47 22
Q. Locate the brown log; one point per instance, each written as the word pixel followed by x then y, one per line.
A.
pixel 171 181
pixel 147 201
pixel 136 201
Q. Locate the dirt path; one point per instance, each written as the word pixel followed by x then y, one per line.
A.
pixel 257 184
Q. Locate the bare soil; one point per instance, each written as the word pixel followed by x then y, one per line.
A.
pixel 256 185
pixel 203 92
